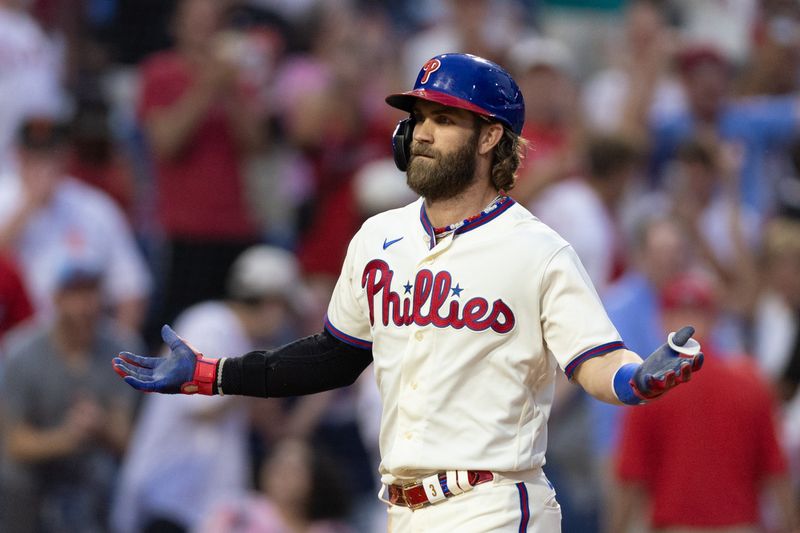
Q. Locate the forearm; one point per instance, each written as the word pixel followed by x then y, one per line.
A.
pixel 626 498
pixel 596 375
pixel 247 125
pixel 29 445
pixel 170 128
pixel 309 365
pixel 117 429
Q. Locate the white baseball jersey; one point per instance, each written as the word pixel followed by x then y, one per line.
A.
pixel 466 334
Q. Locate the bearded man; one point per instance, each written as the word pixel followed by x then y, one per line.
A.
pixel 467 305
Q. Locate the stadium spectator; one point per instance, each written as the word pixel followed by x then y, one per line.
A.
pixel 545 71
pixel 586 210
pixel 333 141
pixel 30 70
pixel 762 126
pixel 777 328
pixel 479 27
pixel 714 466
pixel 704 190
pixel 300 493
pixel 639 80
pixel 66 417
pixel 198 118
pixel 659 252
pixel 96 159
pixel 773 55
pixel 588 25
pixel 48 217
pixel 186 456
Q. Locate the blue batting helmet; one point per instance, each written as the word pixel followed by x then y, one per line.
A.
pixel 467 82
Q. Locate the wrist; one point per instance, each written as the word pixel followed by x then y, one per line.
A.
pixel 204 378
pixel 623 384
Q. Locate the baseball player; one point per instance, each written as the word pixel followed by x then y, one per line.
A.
pixel 467 305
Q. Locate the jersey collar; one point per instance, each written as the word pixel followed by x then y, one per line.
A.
pixel 469 224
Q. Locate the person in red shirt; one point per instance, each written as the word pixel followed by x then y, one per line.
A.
pixel 15 306
pixel 201 122
pixel 704 472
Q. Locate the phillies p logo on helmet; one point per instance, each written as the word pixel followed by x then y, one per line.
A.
pixel 429 68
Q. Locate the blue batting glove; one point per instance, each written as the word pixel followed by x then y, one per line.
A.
pixel 670 365
pixel 183 370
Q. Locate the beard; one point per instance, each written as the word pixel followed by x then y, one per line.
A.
pixel 444 176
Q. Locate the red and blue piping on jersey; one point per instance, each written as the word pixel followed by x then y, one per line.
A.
pixel 469 224
pixel 593 352
pixel 344 337
pixel 524 507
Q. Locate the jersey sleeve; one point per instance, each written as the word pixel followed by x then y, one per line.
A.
pixel 346 319
pixel 575 326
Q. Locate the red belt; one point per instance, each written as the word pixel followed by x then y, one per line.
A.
pixel 413 495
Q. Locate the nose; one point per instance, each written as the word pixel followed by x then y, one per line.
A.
pixel 422 132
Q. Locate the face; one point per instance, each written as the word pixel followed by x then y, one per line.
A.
pixel 443 151
pixel 700 180
pixel 197 21
pixel 664 253
pixel 706 86
pixel 643 24
pixel 41 171
pixel 286 476
pixel 549 94
pixel 79 306
pixel 784 275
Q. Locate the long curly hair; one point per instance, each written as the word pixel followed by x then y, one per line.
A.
pixel 508 155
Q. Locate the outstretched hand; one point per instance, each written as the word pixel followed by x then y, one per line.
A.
pixel 671 364
pixel 183 370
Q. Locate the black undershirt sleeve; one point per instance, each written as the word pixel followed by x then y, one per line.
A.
pixel 313 364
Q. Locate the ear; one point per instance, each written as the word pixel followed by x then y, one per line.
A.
pixel 490 135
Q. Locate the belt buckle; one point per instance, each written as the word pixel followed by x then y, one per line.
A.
pixel 410 485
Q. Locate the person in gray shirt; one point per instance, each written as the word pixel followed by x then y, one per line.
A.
pixel 66 419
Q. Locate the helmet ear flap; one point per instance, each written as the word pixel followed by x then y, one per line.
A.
pixel 401 142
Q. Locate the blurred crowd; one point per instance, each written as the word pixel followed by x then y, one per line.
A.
pixel 204 163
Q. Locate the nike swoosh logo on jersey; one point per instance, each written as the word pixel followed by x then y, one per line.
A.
pixel 387 243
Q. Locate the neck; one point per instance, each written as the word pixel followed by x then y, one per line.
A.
pixel 609 195
pixel 470 202
pixel 74 342
pixel 293 516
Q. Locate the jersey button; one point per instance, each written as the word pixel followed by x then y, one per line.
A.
pixel 408 435
pixel 419 335
pixel 414 386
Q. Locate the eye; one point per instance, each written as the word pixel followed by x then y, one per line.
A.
pixel 442 119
